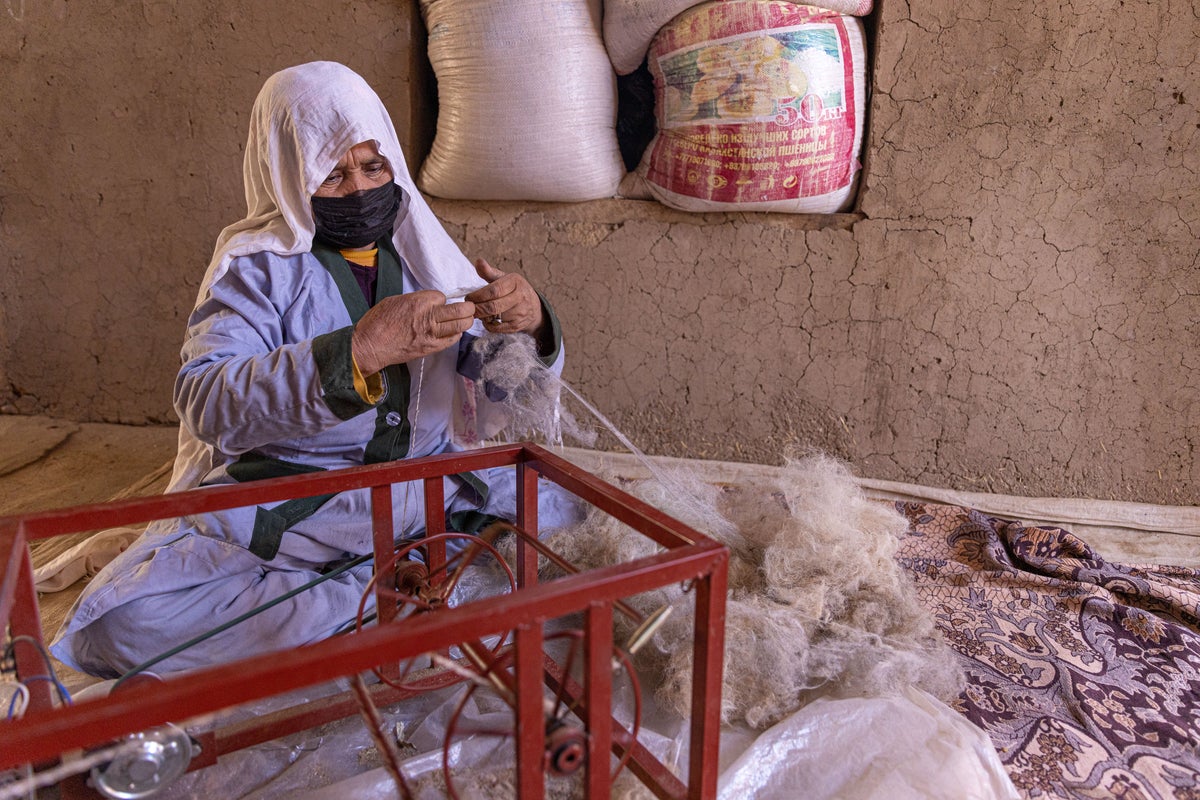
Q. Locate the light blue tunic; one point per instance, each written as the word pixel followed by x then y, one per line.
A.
pixel 266 370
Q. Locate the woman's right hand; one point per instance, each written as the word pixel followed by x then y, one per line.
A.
pixel 404 327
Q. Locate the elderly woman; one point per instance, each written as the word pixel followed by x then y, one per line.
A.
pixel 327 333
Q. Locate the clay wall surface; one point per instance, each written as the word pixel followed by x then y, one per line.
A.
pixel 1015 312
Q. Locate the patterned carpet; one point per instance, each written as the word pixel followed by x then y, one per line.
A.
pixel 1085 673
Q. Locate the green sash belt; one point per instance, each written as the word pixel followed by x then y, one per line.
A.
pixel 270 523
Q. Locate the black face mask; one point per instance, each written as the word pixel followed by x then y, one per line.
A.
pixel 358 219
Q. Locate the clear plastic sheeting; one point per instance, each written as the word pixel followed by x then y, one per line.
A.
pixel 339 760
pixel 860 748
pixel 870 748
pixel 317 757
pixel 895 747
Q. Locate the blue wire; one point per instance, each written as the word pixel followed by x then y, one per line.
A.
pixel 63 694
pixel 12 704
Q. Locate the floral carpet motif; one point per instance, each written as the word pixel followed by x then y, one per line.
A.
pixel 1085 673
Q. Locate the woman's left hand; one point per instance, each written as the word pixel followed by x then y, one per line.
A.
pixel 508 304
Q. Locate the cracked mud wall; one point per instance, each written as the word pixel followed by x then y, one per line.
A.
pixel 1016 312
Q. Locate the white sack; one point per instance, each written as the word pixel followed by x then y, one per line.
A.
pixel 630 25
pixel 527 101
pixel 895 748
pixel 760 107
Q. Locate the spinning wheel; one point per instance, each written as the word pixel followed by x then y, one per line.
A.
pixel 565 736
pixel 418 589
pixel 561 727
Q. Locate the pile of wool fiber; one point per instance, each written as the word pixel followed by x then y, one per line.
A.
pixel 816 605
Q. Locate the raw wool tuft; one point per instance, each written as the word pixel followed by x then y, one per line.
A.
pixel 681 494
pixel 528 393
pixel 816 604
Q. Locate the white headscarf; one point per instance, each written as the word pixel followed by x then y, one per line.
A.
pixel 304 120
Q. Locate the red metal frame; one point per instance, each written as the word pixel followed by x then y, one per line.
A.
pixel 46 732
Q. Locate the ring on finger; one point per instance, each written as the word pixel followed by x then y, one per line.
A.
pixel 494 319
